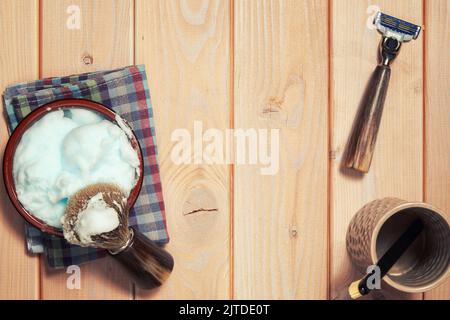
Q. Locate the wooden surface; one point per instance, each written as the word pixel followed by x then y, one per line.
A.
pixel 106 35
pixel 299 66
pixel 437 115
pixel 396 168
pixel 186 48
pixel 19 273
pixel 280 221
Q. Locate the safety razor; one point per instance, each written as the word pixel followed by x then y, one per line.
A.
pixel 363 137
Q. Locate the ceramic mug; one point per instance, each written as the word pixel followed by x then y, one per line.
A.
pixel 380 223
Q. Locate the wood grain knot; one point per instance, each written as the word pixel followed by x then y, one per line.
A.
pixel 200 201
pixel 87 59
pixel 294 232
pixel 200 210
pixel 284 110
pixel 334 154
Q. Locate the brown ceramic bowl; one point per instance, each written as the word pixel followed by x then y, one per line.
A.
pixel 27 122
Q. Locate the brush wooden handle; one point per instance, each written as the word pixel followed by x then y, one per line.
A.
pixel 362 140
pixel 149 264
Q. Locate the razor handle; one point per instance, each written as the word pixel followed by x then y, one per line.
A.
pixel 361 144
pixel 148 264
pixel 362 140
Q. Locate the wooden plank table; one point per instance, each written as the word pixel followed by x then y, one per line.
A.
pixel 298 66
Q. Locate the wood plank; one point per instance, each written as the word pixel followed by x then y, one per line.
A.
pixel 19 272
pixel 437 126
pixel 397 165
pixel 105 34
pixel 186 49
pixel 281 76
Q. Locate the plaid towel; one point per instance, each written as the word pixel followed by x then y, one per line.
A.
pixel 126 92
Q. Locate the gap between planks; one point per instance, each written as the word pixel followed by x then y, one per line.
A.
pixel 329 143
pixel 231 166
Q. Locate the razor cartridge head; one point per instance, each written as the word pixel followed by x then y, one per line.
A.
pixel 396 28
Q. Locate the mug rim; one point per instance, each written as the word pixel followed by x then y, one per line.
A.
pixel 374 236
pixel 27 122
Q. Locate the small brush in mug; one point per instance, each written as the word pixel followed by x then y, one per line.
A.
pixel 361 287
pixel 362 140
pixel 97 216
pixel 379 224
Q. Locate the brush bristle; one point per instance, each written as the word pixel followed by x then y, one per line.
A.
pixel 353 290
pixel 114 198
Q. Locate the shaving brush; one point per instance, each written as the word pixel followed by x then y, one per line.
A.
pixel 97 216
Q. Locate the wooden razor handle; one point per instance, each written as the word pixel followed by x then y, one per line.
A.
pixel 149 264
pixel 362 140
